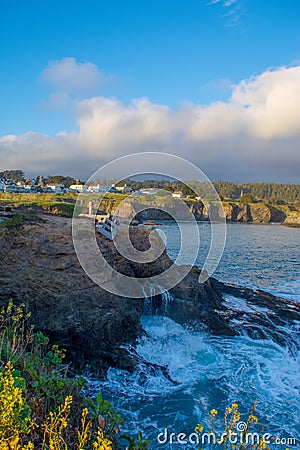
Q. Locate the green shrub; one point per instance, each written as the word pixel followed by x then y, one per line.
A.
pixel 40 406
pixel 16 221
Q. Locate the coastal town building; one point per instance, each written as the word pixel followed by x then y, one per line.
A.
pixel 178 194
pixel 76 187
pixel 57 188
pixel 149 191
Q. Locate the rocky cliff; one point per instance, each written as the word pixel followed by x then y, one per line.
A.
pixel 257 212
pixel 39 267
pixel 234 211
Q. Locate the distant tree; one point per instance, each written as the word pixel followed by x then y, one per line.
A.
pixel 60 179
pixel 16 175
pixel 247 198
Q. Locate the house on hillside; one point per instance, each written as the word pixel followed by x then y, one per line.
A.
pixel 57 188
pixel 12 188
pixel 2 186
pixel 177 194
pixel 76 187
pixel 149 191
pixel 122 189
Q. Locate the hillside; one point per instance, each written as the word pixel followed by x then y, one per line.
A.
pixel 235 210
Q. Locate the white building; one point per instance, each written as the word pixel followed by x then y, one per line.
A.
pixel 76 187
pixel 98 188
pixel 57 188
pixel 149 191
pixel 177 194
pixel 11 188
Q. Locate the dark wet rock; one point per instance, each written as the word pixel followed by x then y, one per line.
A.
pixel 261 315
pixel 230 310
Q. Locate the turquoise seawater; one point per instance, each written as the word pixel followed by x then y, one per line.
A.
pixel 212 372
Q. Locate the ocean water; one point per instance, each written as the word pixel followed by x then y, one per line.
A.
pixel 259 256
pixel 212 372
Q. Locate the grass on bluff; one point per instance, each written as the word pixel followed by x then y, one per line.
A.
pixel 20 219
pixel 60 204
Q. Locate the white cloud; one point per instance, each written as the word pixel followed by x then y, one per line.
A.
pixel 265 107
pixel 68 75
pixel 272 103
pixel 254 135
pixel 70 81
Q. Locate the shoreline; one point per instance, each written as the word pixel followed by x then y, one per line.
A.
pixel 235 212
pixel 40 268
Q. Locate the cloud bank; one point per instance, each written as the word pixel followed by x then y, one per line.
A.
pixel 255 135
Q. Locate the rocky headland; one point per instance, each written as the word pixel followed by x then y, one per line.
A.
pixel 234 211
pixel 39 268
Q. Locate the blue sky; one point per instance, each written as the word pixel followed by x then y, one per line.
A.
pixel 58 58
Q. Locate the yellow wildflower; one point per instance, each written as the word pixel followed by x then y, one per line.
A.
pixel 214 412
pixel 199 428
pixel 236 417
pixel 262 444
pixel 102 443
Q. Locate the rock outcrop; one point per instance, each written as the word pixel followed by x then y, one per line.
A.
pixel 160 208
pixel 253 212
pixel 234 211
pixel 39 267
pixel 293 219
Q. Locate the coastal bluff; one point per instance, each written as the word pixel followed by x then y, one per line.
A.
pixel 39 268
pixel 234 211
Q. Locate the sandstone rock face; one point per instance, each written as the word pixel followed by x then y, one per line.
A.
pixel 293 219
pixel 234 211
pixel 161 208
pixel 254 212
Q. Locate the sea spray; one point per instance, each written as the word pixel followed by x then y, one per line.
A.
pixel 211 372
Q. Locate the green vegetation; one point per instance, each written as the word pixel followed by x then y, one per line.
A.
pixel 36 199
pixel 20 219
pixel 284 198
pixel 247 198
pixel 16 175
pixel 40 407
pixel 59 179
pixel 267 192
pixel 274 193
pixel 16 221
pixel 59 204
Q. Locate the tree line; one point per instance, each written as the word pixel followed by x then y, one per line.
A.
pixel 272 192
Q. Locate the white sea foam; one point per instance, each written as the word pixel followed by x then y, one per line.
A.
pixel 210 372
